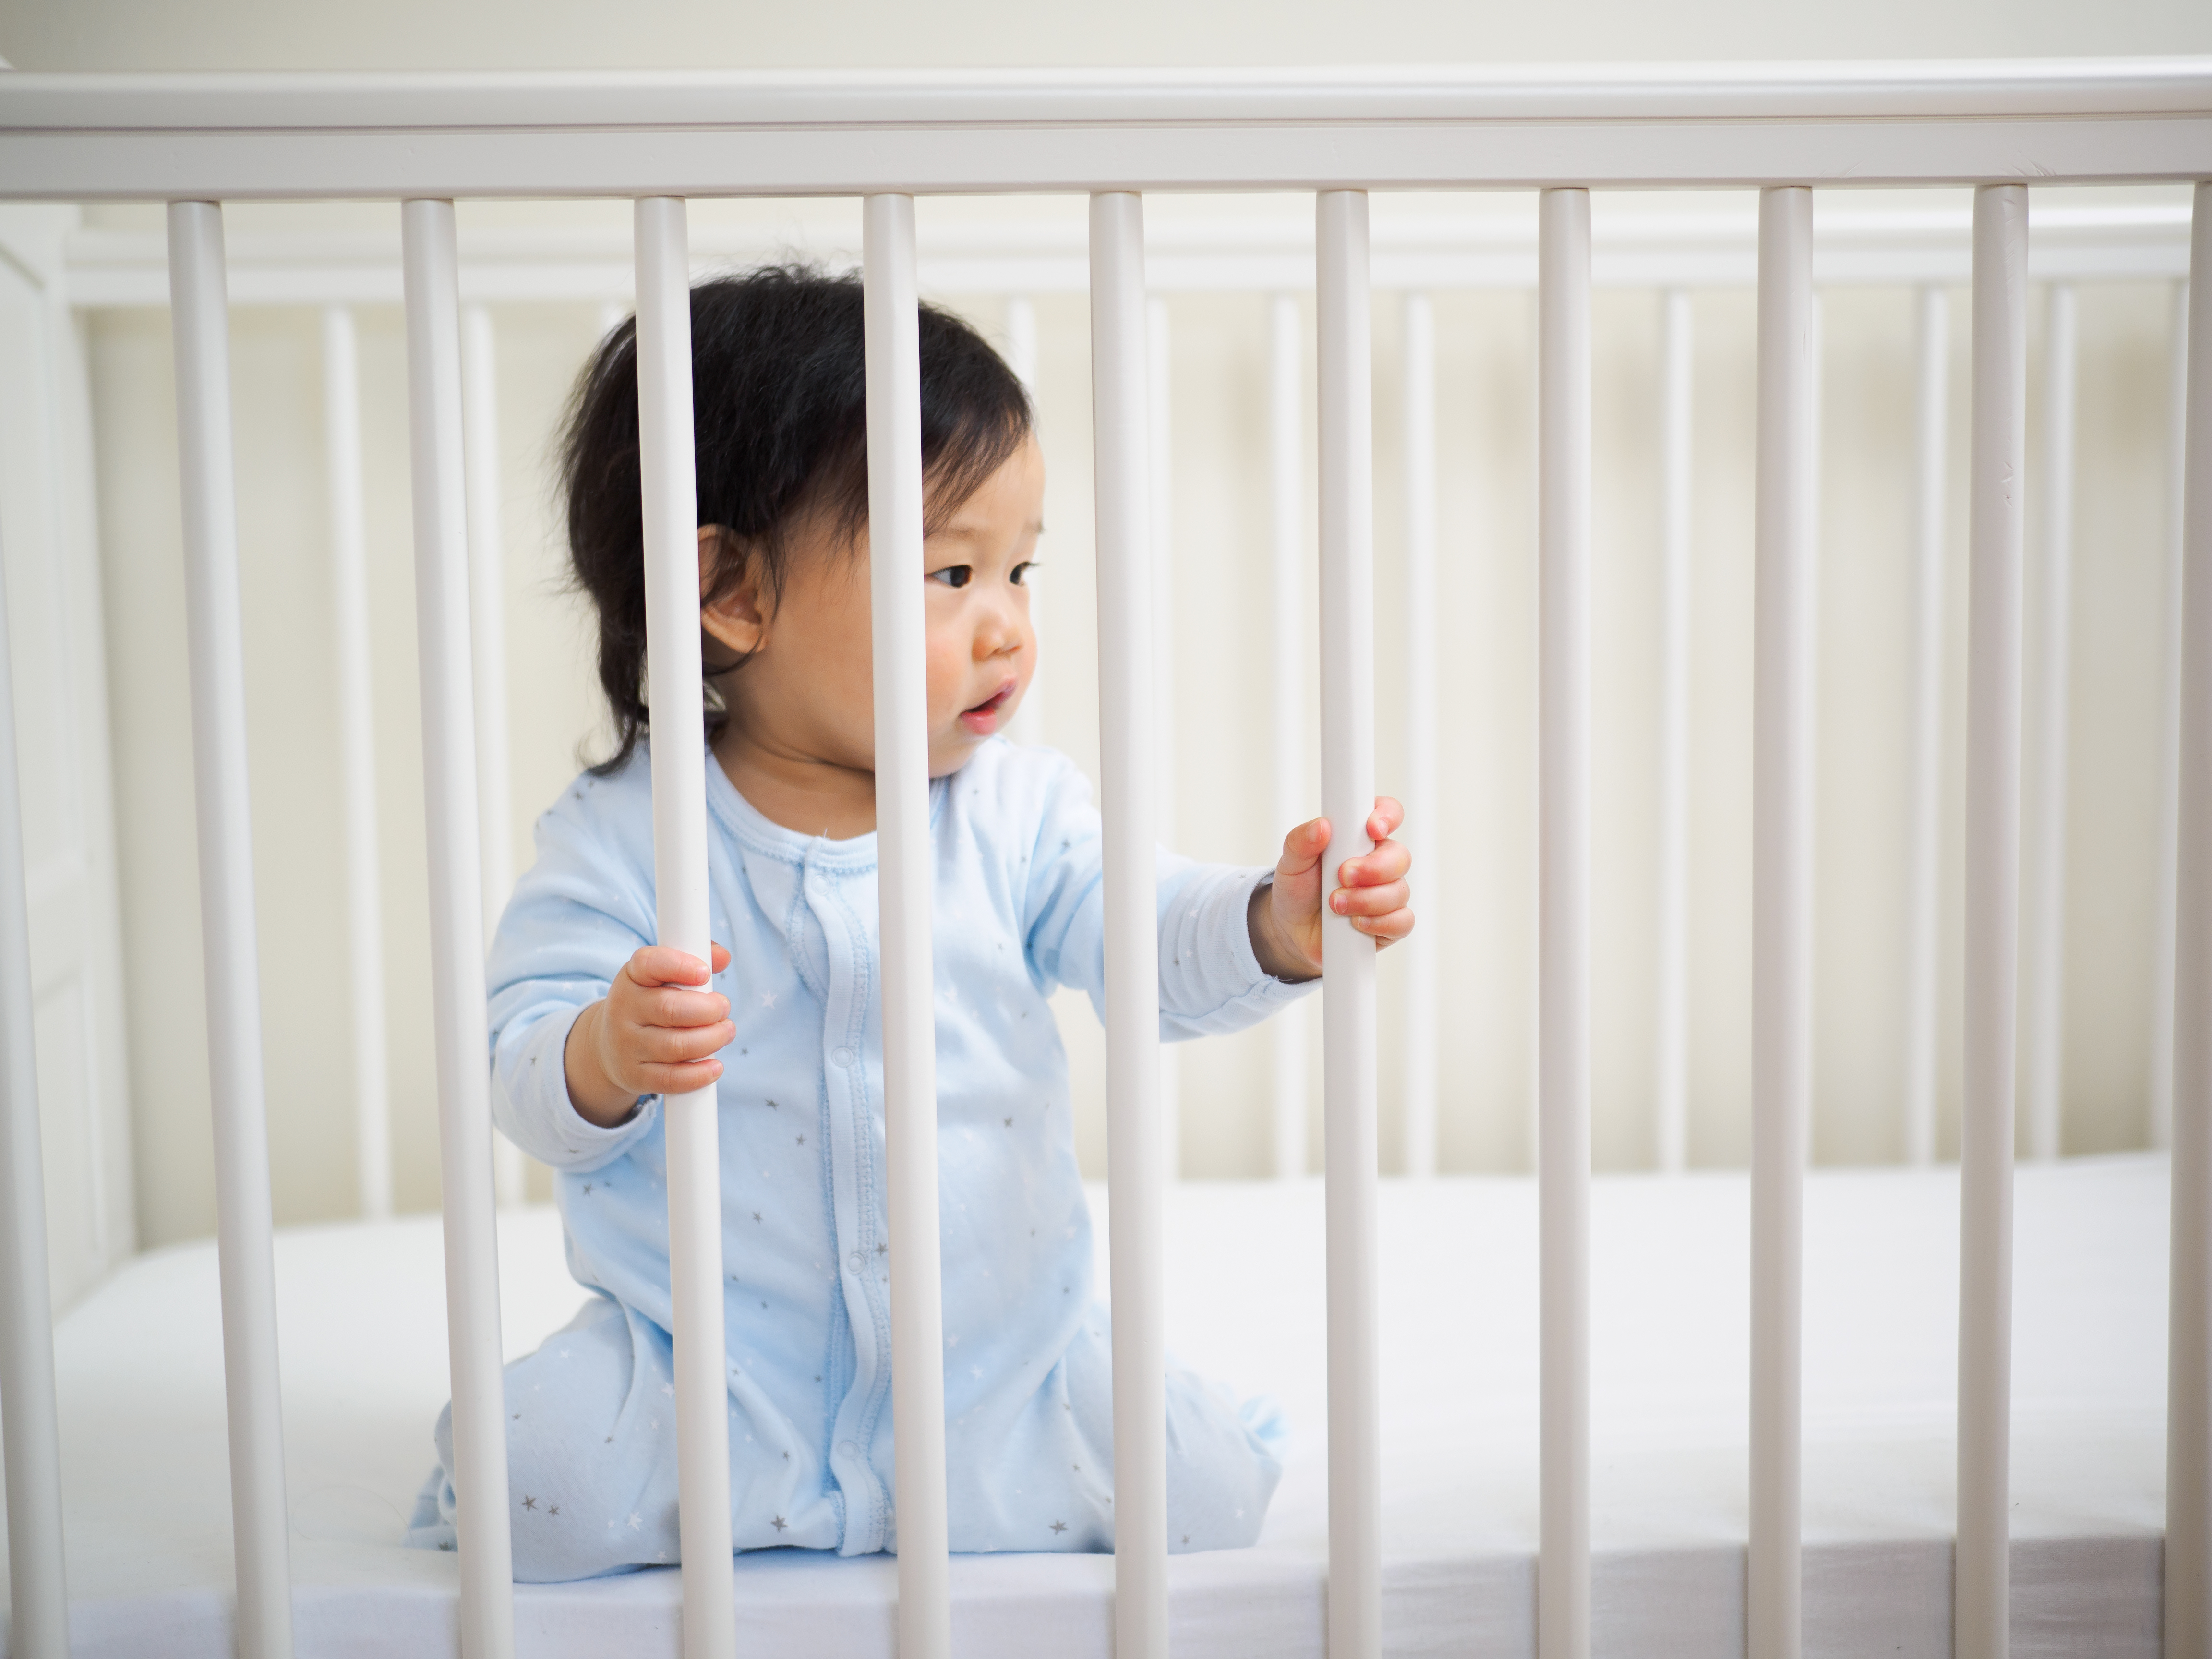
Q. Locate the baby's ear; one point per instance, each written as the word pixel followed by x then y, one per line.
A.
pixel 733 609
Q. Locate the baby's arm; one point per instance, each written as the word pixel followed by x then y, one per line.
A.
pixel 1285 915
pixel 648 1036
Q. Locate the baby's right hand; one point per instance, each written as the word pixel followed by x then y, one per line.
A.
pixel 648 1036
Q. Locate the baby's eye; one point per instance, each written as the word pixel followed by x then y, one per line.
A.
pixel 1020 574
pixel 953 575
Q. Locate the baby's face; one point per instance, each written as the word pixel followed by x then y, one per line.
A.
pixel 808 693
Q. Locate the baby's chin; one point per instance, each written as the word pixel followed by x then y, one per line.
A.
pixel 951 750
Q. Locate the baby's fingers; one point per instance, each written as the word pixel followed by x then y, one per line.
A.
pixel 1365 903
pixel 1388 862
pixel 664 964
pixel 665 1045
pixel 1387 928
pixel 1302 849
pixel 666 1005
pixel 1387 817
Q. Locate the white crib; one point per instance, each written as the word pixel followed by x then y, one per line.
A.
pixel 196 141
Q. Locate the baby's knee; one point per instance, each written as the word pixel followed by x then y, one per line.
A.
pixel 591 1473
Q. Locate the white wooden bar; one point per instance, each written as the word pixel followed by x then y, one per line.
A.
pixel 30 1432
pixel 2043 993
pixel 1782 743
pixel 2164 916
pixel 488 657
pixel 1291 714
pixel 2189 1333
pixel 65 137
pixel 1028 725
pixel 1159 379
pixel 1671 1044
pixel 1345 384
pixel 901 690
pixel 357 797
pixel 1417 1151
pixel 1138 1149
pixel 244 1220
pixel 457 957
pixel 1923 855
pixel 681 903
pixel 1982 1574
pixel 1563 904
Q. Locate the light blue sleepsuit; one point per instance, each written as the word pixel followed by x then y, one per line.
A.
pixel 1018 911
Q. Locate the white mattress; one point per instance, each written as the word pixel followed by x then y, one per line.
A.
pixel 364 1358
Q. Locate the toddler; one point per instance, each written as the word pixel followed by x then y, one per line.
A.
pixel 591 1022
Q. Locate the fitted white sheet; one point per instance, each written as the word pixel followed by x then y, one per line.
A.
pixel 362 1323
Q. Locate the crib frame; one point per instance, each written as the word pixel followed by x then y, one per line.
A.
pixel 195 141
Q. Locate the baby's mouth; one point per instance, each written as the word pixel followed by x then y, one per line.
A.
pixel 983 718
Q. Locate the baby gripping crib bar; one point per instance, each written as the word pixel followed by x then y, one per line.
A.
pixel 1786 580
pixel 1345 384
pixel 243 1218
pixel 1563 901
pixel 2189 1336
pixel 905 866
pixel 457 953
pixel 1137 1124
pixel 1997 464
pixel 193 138
pixel 681 900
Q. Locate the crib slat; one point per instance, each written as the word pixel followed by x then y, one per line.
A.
pixel 1291 714
pixel 1346 396
pixel 1417 1148
pixel 1998 463
pixel 30 1432
pixel 1562 900
pixel 199 312
pixel 1924 797
pixel 2165 916
pixel 682 905
pixel 356 761
pixel 1782 906
pixel 1159 382
pixel 2189 1345
pixel 895 538
pixel 1670 1093
pixel 2043 994
pixel 488 656
pixel 1137 1124
pixel 457 983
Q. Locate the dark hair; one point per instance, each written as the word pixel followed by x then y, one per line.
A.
pixel 778 411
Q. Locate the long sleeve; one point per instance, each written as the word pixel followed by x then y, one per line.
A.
pixel 577 915
pixel 1210 983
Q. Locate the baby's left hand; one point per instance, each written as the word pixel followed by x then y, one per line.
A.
pixel 1285 916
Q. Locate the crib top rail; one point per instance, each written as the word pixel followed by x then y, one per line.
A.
pixel 269 135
